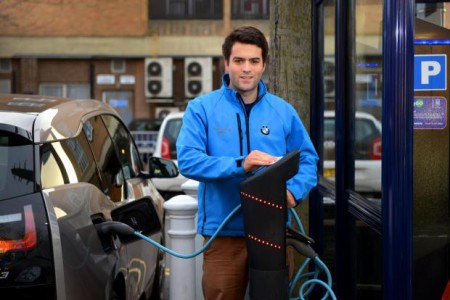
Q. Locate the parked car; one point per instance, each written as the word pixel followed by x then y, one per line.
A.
pixel 70 178
pixel 166 148
pixel 367 152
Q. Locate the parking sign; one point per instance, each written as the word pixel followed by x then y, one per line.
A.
pixel 430 72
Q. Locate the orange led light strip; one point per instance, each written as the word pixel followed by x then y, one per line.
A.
pixel 262 201
pixel 261 241
pixel 29 240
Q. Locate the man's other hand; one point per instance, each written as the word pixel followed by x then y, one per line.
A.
pixel 257 159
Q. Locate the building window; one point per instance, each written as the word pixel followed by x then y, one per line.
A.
pixel 185 9
pixel 250 9
pixel 5 86
pixel 66 90
pixel 118 65
pixel 5 65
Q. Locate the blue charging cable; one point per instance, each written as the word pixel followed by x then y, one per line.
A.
pixel 206 245
pixel 319 267
pixel 308 283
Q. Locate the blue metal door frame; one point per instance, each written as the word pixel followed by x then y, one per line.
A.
pixel 345 276
pixel 397 140
pixel 395 220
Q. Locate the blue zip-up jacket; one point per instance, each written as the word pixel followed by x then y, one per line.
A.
pixel 215 137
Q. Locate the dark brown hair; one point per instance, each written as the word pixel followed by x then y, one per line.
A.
pixel 245 35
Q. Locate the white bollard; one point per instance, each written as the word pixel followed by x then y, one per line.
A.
pixel 182 210
pixel 190 187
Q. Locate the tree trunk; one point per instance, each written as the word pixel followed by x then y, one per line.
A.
pixel 290 53
pixel 290 65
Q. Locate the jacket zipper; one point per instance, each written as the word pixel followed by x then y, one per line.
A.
pixel 247 128
pixel 240 133
pixel 247 123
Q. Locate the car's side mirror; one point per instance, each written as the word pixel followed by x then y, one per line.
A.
pixel 139 214
pixel 162 168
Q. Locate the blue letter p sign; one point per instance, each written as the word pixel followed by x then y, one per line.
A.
pixel 430 72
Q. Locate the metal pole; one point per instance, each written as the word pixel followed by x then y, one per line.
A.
pixel 397 163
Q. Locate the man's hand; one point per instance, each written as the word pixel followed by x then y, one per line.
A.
pixel 257 159
pixel 290 199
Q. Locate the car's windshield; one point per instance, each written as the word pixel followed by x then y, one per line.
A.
pixel 16 165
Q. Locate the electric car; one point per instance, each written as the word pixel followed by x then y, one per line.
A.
pixel 70 179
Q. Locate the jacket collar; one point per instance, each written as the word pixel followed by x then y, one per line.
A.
pixel 262 90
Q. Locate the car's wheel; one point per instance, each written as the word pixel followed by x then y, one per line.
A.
pixel 118 290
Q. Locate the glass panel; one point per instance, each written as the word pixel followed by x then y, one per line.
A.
pixel 367 140
pixel 122 102
pixel 78 91
pixel 52 168
pixel 71 90
pixel 106 157
pixel 329 145
pixel 16 165
pixel 123 143
pixel 366 137
pixel 368 98
pixel 431 136
pixel 51 89
pixel 5 65
pixel 68 161
pixel 368 263
pixel 185 9
pixel 118 65
pixel 170 136
pixel 432 12
pixel 250 9
pixel 5 86
pixel 176 8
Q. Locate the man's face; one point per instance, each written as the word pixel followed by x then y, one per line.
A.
pixel 245 68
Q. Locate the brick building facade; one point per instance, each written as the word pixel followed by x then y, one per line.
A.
pixel 102 49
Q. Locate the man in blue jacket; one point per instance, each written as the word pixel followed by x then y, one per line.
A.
pixel 226 136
